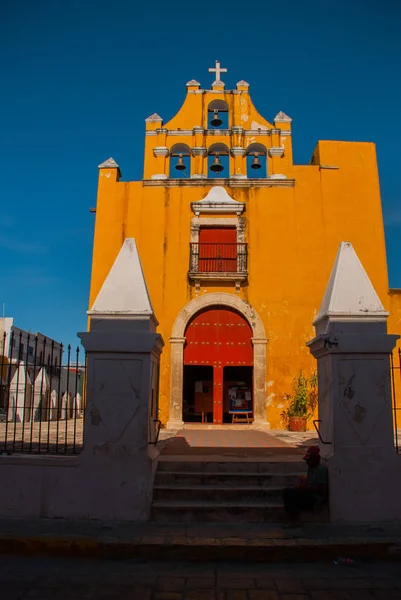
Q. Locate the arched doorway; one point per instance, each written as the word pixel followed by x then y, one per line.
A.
pixel 218 365
pixel 177 342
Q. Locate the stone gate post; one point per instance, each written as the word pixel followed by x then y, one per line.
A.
pixel 123 351
pixel 352 348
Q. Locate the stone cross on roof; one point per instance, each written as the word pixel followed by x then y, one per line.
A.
pixel 218 70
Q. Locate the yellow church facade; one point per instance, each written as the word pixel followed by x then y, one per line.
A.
pixel 236 246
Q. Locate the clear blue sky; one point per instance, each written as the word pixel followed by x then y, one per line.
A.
pixel 78 79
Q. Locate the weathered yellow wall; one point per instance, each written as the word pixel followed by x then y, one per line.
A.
pixel 394 326
pixel 293 234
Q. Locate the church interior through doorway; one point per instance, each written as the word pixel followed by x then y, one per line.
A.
pixel 218 367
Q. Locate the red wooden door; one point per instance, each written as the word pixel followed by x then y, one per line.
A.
pixel 218 337
pixel 217 250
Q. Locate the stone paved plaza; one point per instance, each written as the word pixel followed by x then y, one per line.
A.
pixel 66 436
pixel 83 579
pixel 61 437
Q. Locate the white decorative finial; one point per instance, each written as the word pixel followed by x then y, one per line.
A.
pixel 349 293
pixel 124 290
pixel 218 70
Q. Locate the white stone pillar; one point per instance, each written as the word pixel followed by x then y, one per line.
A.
pixel 352 348
pixel 177 382
pixel 259 384
pixel 122 350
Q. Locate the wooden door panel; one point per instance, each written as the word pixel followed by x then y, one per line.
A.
pixel 218 336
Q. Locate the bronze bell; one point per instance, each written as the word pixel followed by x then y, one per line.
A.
pixel 256 162
pixel 180 166
pixel 216 166
pixel 216 121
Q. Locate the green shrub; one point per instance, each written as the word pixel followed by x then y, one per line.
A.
pixel 303 400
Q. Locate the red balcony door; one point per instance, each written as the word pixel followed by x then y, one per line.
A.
pixel 217 250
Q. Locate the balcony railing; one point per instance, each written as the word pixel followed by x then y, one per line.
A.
pixel 218 259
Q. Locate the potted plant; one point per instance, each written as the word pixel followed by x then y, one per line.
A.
pixel 301 403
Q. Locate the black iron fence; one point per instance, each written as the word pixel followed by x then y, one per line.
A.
pixel 42 396
pixel 395 363
pixel 218 258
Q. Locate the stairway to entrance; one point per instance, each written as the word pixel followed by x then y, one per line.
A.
pixel 226 476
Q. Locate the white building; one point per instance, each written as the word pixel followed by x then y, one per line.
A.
pixel 32 348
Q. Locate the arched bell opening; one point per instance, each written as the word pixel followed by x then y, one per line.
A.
pixel 217 115
pixel 180 161
pixel 218 161
pixel 256 161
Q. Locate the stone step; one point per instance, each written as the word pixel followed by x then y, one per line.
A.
pixel 294 466
pixel 249 494
pixel 216 512
pixel 228 512
pixel 225 491
pixel 190 478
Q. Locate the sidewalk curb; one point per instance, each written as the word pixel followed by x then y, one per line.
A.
pixel 266 550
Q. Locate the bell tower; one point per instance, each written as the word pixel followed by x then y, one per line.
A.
pixel 218 137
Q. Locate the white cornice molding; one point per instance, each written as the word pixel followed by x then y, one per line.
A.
pixel 219 202
pixel 199 151
pixel 217 91
pixel 160 151
pixel 193 83
pixel 248 132
pixel 237 151
pixel 181 132
pixel 159 177
pixel 214 132
pixel 268 182
pixel 276 151
pixel 253 132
